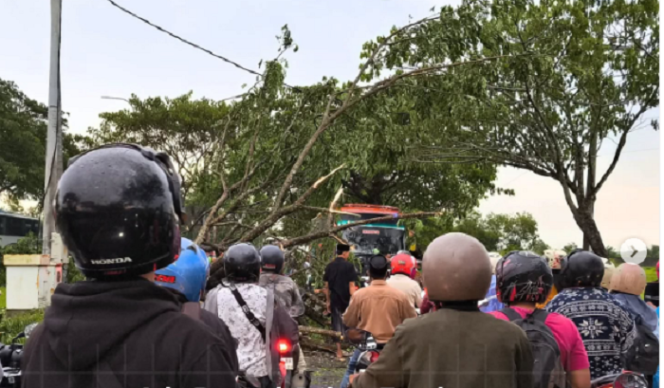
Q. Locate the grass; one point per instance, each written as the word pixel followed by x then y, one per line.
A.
pixel 12 325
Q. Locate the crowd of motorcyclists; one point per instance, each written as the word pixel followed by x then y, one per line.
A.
pixel 154 312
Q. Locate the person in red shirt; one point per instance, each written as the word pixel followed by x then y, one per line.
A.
pixel 523 280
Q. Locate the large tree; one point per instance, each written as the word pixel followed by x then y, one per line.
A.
pixel 577 73
pixel 23 139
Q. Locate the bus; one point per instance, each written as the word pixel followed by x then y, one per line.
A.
pixel 15 226
pixel 384 237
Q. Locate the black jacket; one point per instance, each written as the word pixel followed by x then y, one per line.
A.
pixel 133 330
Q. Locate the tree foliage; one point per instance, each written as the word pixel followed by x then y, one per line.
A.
pixel 23 138
pixel 498 232
pixel 566 76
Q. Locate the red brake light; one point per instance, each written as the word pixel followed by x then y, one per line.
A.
pixel 374 356
pixel 283 346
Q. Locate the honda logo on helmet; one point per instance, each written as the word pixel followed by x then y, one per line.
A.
pixel 118 260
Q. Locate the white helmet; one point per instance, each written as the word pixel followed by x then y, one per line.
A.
pixel 553 256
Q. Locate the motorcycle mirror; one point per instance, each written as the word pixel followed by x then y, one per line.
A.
pixel 630 380
pixel 29 329
pixel 18 337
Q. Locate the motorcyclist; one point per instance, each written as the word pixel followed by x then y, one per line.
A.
pixel 553 257
pixel 377 309
pixel 607 330
pixel 523 280
pixel 457 345
pixel 285 290
pixel 118 210
pixel 248 323
pixel 185 278
pixel 402 274
pixel 627 285
pixel 609 269
pixel 491 302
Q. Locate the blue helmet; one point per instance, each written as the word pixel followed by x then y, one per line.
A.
pixel 188 273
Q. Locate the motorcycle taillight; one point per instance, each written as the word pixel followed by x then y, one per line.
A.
pixel 374 356
pixel 283 346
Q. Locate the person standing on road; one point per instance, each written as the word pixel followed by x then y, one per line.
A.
pixel 607 330
pixel 457 345
pixel 118 210
pixel 377 309
pixel 339 277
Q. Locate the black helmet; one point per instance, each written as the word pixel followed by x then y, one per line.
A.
pixel 581 269
pixel 242 263
pixel 523 276
pixel 272 259
pixel 117 210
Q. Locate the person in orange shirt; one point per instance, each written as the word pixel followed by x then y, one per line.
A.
pixel 378 309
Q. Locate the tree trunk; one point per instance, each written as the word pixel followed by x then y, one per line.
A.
pixel 590 231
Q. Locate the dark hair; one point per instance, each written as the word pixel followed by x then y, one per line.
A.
pixel 207 247
pixel 378 266
pixel 342 248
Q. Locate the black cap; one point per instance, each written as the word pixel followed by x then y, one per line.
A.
pixel 242 263
pixel 117 210
pixel 343 248
pixel 581 269
pixel 272 259
pixel 523 276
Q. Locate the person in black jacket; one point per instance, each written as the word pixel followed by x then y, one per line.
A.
pixel 118 209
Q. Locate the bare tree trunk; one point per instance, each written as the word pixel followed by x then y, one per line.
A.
pixel 592 167
pixel 587 224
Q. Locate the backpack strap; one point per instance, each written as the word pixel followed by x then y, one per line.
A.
pixel 539 315
pixel 192 309
pixel 511 314
pixel 247 312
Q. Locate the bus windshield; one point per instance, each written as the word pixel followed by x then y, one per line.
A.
pixel 367 238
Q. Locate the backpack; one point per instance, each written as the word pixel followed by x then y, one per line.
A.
pixel 547 368
pixel 643 355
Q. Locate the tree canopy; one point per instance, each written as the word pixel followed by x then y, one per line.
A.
pixel 566 76
pixel 23 136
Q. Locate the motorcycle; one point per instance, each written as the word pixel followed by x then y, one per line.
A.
pixel 10 358
pixel 625 379
pixel 288 358
pixel 366 343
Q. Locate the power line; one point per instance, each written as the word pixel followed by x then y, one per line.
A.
pixel 146 21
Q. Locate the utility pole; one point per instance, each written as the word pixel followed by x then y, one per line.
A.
pixel 53 169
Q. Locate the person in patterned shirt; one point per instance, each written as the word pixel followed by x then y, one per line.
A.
pixel 607 330
pixel 242 264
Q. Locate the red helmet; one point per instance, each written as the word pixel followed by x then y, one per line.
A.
pixel 404 264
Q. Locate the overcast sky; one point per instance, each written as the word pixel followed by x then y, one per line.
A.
pixel 106 52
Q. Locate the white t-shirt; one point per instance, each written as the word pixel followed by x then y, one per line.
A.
pixel 251 350
pixel 408 286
